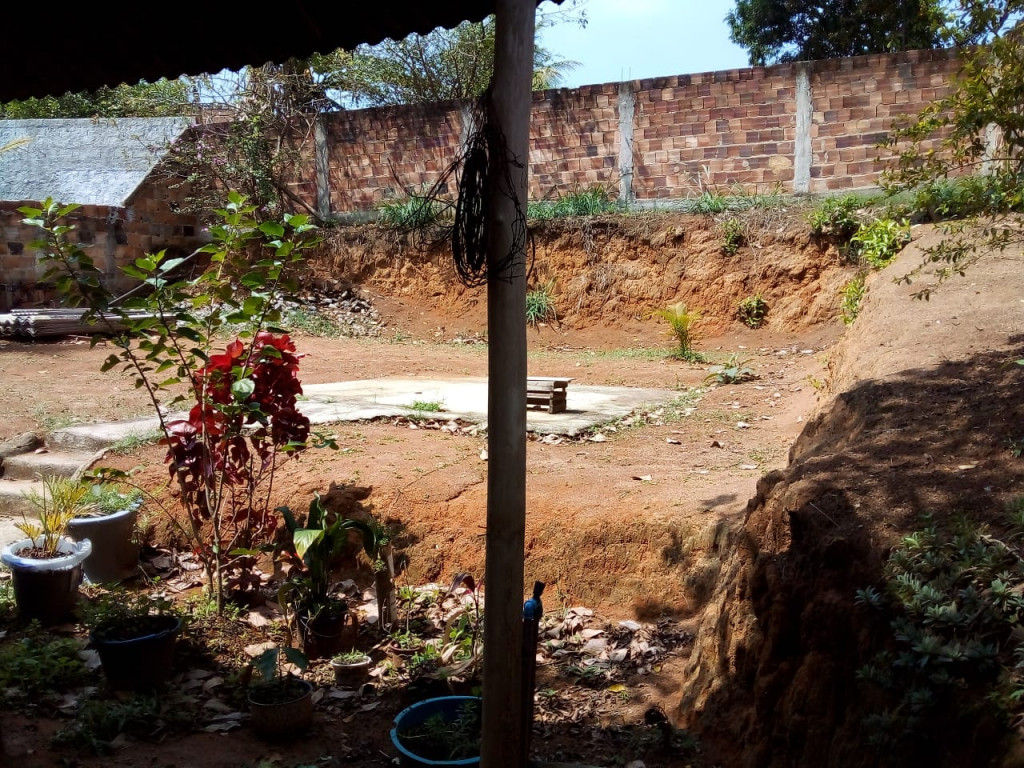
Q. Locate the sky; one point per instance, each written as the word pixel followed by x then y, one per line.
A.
pixel 636 39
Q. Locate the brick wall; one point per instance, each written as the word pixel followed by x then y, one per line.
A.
pixel 715 130
pixel 752 128
pixel 854 103
pixel 114 236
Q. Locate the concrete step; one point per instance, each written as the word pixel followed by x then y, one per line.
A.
pixel 32 466
pixel 95 437
pixel 13 503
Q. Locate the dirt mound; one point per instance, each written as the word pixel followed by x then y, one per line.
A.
pixel 612 270
pixel 925 407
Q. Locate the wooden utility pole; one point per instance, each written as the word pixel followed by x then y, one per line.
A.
pixel 508 117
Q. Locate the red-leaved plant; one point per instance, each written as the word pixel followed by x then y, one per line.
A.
pixel 242 420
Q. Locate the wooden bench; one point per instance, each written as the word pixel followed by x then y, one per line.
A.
pixel 546 392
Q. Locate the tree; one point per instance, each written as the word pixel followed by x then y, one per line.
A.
pixel 164 98
pixel 444 64
pixel 775 31
pixel 963 155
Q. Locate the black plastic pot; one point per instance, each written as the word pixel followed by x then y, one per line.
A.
pixel 114 555
pixel 141 662
pixel 274 719
pixel 323 635
pixel 46 590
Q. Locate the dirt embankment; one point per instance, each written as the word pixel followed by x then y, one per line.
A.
pixel 615 270
pixel 923 410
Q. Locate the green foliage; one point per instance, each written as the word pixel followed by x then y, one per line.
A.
pixel 411 213
pixel 732 236
pixel 752 310
pixel 163 98
pixel 442 739
pixel 133 441
pixel 954 603
pixel 799 30
pixel 62 500
pixel 682 321
pixel 427 406
pixel 271 663
pixel 39 664
pixel 99 722
pixel 733 371
pixel 313 323
pixel 973 129
pixel 540 304
pixel 707 203
pixel 592 201
pixel 836 217
pixel 852 295
pixel 242 420
pixel 444 64
pixel 878 242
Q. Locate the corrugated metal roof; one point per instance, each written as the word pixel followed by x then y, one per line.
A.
pixel 81 46
pixel 91 162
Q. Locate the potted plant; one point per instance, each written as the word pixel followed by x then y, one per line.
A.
pixel 46 565
pixel 280 704
pixel 350 667
pixel 109 524
pixel 319 613
pixel 439 731
pixel 135 636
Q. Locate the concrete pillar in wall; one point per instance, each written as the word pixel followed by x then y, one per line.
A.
pixel 993 140
pixel 627 111
pixel 802 143
pixel 323 178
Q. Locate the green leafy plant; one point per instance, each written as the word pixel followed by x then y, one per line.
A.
pixel 427 406
pixel 314 546
pixel 592 201
pixel 752 310
pixel 852 295
pixel 276 683
pixel 878 242
pixel 954 603
pixel 442 738
pixel 38 663
pixel 413 212
pixel 836 218
pixel 540 304
pixel 707 203
pixel 314 323
pixel 732 371
pixel 350 657
pixel 123 615
pixel 732 236
pixel 682 321
pixel 98 722
pixel 243 420
pixel 62 500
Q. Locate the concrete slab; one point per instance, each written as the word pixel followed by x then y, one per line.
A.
pixel 13 502
pixel 95 437
pixel 466 398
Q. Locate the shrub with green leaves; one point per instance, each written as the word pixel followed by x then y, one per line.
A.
pixel 540 304
pixel 752 310
pixel 852 296
pixel 955 607
pixel 732 236
pixel 39 663
pixel 836 217
pixel 878 242
pixel 682 321
pixel 733 371
pixel 410 213
pixel 591 201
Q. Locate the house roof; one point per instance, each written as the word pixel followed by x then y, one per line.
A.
pixel 81 46
pixel 91 162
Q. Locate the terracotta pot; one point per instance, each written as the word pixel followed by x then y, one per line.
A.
pixel 281 719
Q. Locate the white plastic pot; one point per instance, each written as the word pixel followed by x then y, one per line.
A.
pixel 46 589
